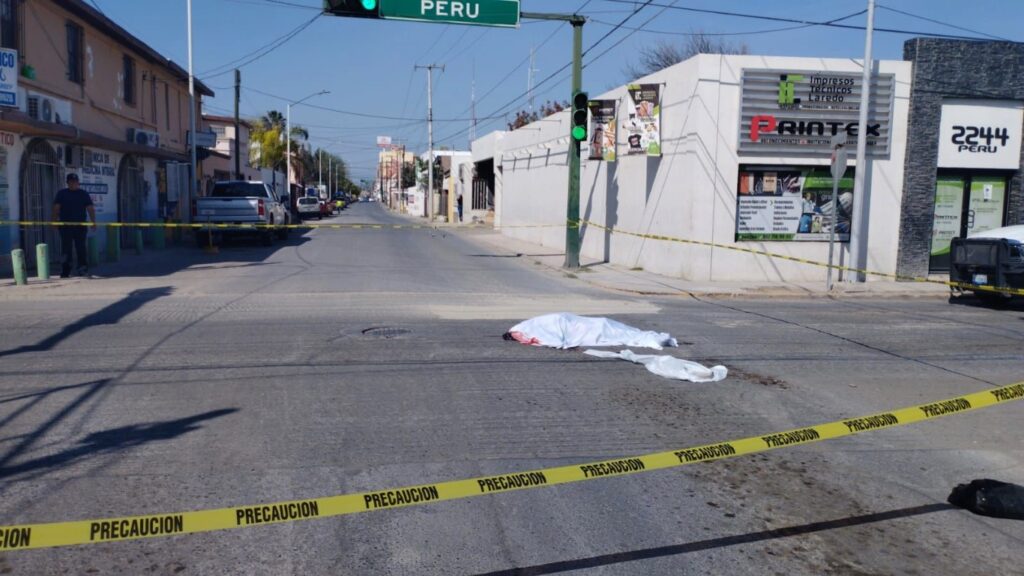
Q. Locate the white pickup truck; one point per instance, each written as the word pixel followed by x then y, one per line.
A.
pixel 243 203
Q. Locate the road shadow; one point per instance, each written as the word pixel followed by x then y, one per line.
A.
pixel 112 441
pixel 242 250
pixel 110 314
pixel 714 543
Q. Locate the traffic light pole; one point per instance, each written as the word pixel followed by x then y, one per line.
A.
pixel 572 219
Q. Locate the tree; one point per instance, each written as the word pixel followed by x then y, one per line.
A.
pixel 547 109
pixel 268 135
pixel 655 57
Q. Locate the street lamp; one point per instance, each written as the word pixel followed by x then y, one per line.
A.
pixel 288 136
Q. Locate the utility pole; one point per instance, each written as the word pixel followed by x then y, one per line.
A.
pixel 472 108
pixel 430 138
pixel 858 220
pixel 529 79
pixel 572 224
pixel 320 168
pixel 238 133
pixel 191 118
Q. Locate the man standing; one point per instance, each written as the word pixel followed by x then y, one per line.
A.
pixel 71 205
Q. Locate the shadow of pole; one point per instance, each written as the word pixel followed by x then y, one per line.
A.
pixel 110 314
pixel 713 543
pixel 113 440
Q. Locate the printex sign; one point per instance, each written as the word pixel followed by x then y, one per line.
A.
pixel 796 113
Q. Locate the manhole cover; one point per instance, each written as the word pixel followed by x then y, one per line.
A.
pixel 386 332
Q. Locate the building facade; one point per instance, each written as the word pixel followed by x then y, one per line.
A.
pixel 220 165
pixel 741 159
pixel 94 100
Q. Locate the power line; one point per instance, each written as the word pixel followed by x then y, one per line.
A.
pixel 941 23
pixel 350 112
pixel 797 21
pixel 259 52
pixel 747 33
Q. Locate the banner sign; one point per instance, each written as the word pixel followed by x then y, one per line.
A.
pixel 383 141
pixel 980 134
pixel 789 203
pixel 602 129
pixel 794 113
pixel 8 77
pixel 643 128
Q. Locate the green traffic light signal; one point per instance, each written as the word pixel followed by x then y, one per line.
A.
pixel 370 4
pixel 579 133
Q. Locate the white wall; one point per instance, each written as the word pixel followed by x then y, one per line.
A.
pixel 690 192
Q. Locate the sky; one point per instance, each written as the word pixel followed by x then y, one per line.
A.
pixel 369 65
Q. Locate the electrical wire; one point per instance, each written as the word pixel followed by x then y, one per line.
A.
pixel 941 23
pixel 259 52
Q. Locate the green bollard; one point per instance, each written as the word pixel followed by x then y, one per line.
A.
pixel 94 250
pixel 113 244
pixel 18 263
pixel 139 245
pixel 158 238
pixel 43 261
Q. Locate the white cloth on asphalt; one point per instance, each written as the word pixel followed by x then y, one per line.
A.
pixel 668 366
pixel 564 330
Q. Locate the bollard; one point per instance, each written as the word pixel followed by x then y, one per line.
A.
pixel 139 247
pixel 94 250
pixel 113 244
pixel 43 261
pixel 158 238
pixel 18 263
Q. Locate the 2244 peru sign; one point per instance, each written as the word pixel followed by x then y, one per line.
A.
pixel 796 113
pixel 980 134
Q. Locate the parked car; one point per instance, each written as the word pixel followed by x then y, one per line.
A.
pixel 326 208
pixel 243 203
pixel 309 207
pixel 994 258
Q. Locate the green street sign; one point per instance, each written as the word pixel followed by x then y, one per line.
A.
pixel 501 13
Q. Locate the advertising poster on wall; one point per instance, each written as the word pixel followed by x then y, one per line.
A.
pixel 949 205
pixel 792 204
pixel 602 130
pixel 98 179
pixel 643 127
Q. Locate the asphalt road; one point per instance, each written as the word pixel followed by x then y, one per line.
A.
pixel 185 380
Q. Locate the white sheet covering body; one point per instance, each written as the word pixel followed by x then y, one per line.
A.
pixel 564 330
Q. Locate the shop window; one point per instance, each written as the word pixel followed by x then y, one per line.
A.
pixel 792 203
pixel 76 72
pixel 129 81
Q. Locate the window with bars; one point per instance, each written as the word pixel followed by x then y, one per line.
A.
pixel 9 33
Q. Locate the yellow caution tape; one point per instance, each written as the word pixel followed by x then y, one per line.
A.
pixel 839 267
pixel 580 224
pixel 29 536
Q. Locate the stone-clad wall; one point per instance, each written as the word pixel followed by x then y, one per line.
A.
pixel 948 69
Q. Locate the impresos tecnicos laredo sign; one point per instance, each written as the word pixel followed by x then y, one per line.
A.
pixel 796 113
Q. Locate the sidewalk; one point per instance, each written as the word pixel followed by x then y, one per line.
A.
pixel 620 279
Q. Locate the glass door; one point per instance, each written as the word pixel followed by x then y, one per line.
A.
pixel 948 220
pixel 986 205
pixel 965 204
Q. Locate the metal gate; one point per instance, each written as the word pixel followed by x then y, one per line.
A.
pixel 130 196
pixel 39 182
pixel 483 198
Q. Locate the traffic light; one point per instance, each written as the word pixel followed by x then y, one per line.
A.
pixel 353 8
pixel 579 116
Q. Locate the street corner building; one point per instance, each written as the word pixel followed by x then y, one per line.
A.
pixel 81 94
pixel 734 151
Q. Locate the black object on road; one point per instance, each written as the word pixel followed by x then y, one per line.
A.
pixel 990 498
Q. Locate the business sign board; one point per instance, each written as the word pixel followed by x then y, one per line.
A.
pixel 383 141
pixel 500 13
pixel 981 134
pixel 796 113
pixel 8 77
pixel 790 203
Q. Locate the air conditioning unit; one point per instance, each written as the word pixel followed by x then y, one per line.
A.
pixel 144 137
pixel 48 109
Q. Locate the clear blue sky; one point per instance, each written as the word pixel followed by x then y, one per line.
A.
pixel 368 65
